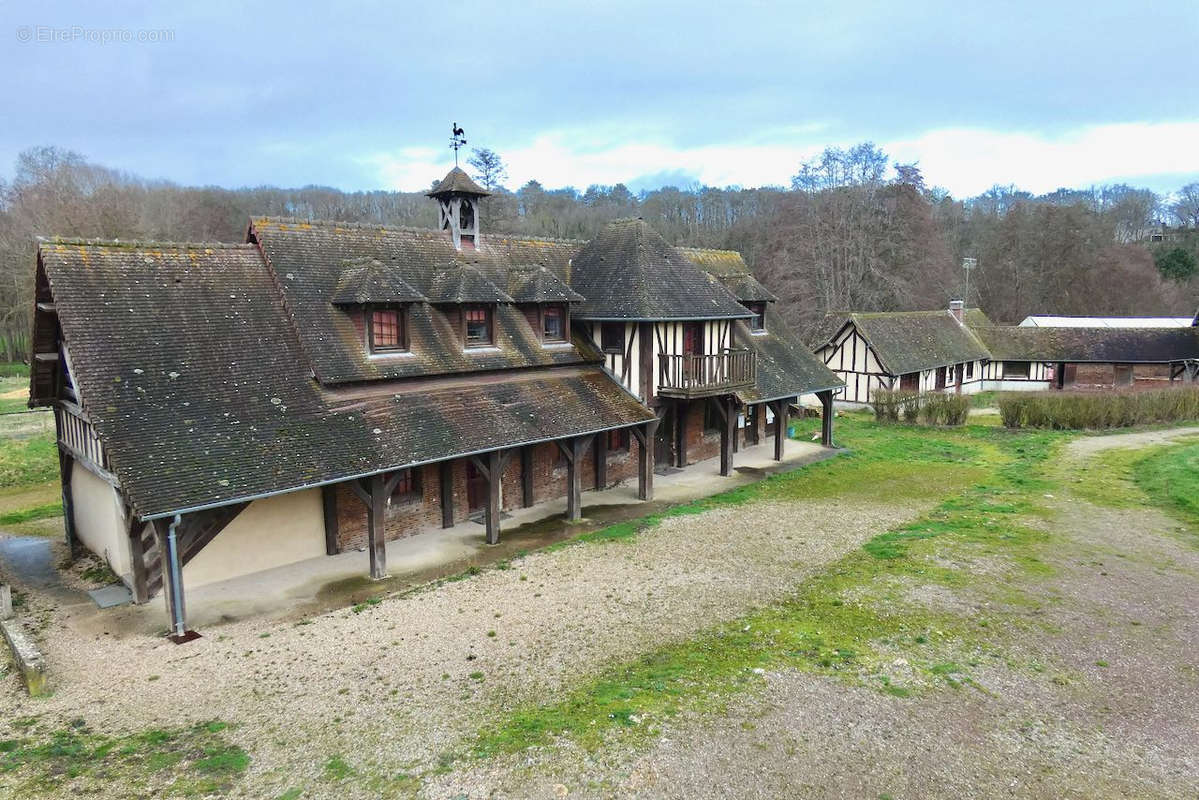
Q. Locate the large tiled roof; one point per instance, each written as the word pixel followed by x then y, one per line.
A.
pixel 911 341
pixel 539 285
pixel 368 280
pixel 628 271
pixel 786 368
pixel 1098 345
pixel 308 256
pixel 186 364
pixel 458 283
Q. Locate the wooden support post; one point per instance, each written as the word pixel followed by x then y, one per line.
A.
pixel 526 476
pixel 826 417
pixel 133 529
pixel 645 458
pixel 780 427
pixel 681 408
pixel 445 472
pixel 573 450
pixel 727 432
pixel 376 522
pixel 329 507
pixel 495 475
pixel 66 467
pixel 601 461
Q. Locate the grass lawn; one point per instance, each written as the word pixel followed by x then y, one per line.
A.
pixel 30 497
pixel 843 623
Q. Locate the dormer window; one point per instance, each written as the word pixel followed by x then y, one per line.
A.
pixel 612 337
pixel 553 324
pixel 478 326
pixel 757 322
pixel 387 332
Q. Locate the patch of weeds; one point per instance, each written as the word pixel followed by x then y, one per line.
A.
pixel 476 676
pixel 291 794
pixel 336 769
pixel 192 760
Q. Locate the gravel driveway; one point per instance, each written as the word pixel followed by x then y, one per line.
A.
pixel 414 673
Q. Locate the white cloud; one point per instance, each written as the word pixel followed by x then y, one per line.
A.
pixel 966 161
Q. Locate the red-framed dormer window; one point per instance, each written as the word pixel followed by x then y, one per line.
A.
pixel 387 332
pixel 553 324
pixel 477 325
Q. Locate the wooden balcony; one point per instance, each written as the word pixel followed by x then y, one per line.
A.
pixel 692 376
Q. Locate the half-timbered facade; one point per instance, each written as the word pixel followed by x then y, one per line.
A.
pixel 960 350
pixel 326 386
pixel 918 351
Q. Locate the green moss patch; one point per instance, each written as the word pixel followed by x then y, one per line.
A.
pixel 195 761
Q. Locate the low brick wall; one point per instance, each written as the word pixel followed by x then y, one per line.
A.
pixel 406 516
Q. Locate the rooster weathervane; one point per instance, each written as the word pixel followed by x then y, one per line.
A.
pixel 457 140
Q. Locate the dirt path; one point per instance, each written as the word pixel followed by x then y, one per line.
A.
pixel 1092 690
pixel 412 675
pixel 1088 446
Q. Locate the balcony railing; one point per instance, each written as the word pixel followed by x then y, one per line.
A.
pixel 689 376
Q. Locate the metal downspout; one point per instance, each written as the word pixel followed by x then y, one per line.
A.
pixel 178 621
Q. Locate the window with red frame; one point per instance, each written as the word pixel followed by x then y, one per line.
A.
pixel 553 324
pixel 618 439
pixel 387 332
pixel 478 325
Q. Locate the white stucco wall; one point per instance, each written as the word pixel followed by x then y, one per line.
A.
pixel 269 533
pixel 99 519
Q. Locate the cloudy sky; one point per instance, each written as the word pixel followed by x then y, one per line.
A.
pixel 361 95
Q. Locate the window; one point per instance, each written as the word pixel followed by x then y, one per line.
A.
pixel 612 337
pixel 618 440
pixel 758 321
pixel 478 325
pixel 407 486
pixel 387 332
pixel 1015 369
pixel 969 370
pixel 553 324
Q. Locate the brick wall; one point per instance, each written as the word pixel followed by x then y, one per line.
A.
pixel 412 516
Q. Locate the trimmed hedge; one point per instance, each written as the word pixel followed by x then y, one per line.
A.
pixel 931 408
pixel 1098 411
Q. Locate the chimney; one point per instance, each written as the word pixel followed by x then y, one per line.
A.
pixel 957 307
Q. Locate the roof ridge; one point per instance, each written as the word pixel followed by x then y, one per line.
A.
pixel 406 228
pixel 78 240
pixel 707 249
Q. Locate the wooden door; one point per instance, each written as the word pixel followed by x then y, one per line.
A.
pixel 476 488
pixel 693 345
pixel 959 376
pixel 940 378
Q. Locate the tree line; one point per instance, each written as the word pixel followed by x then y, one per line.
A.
pixel 854 230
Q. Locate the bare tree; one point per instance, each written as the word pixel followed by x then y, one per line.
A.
pixel 489 168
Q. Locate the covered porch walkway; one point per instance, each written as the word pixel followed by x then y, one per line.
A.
pixel 321 584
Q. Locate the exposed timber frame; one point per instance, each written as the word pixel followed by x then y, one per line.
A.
pixel 573 449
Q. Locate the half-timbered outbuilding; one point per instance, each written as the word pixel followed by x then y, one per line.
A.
pixel 223 409
pixel 919 351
